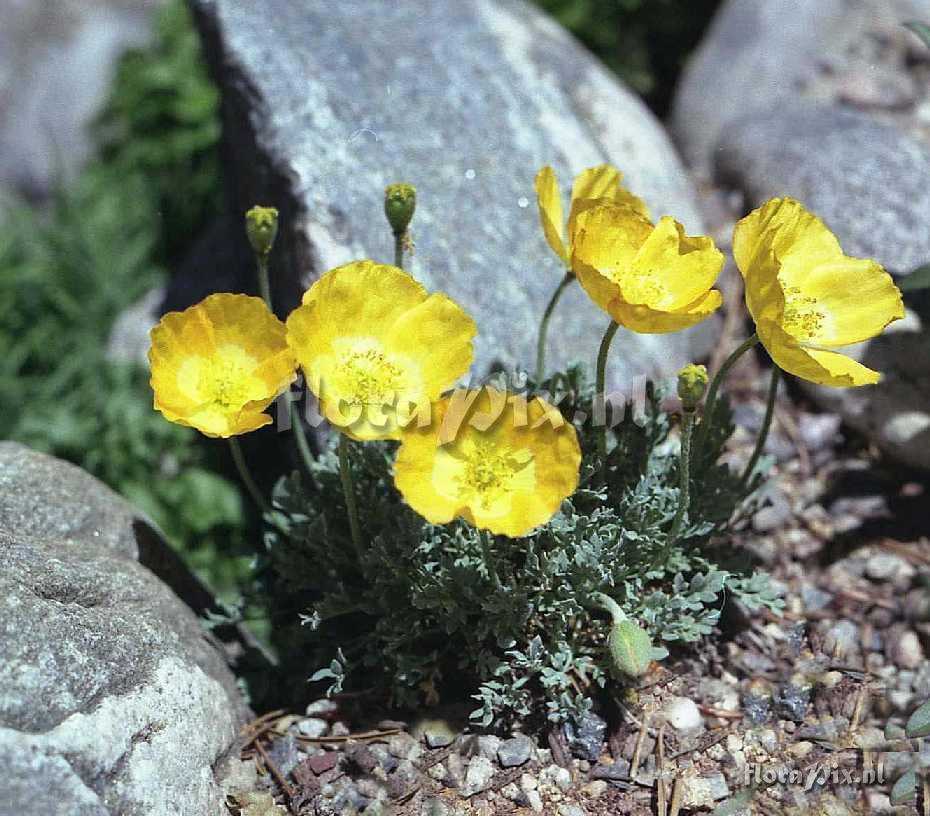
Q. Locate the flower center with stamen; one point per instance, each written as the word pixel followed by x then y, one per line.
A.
pixel 369 377
pixel 492 470
pixel 226 377
pixel 801 318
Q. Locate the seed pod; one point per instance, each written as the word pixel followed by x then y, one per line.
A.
pixel 630 647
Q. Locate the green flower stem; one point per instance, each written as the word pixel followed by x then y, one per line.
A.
pixel 710 403
pixel 600 385
pixel 608 604
pixel 544 327
pixel 264 283
pixel 345 475
pixel 246 476
pixel 764 430
pixel 399 249
pixel 684 480
pixel 303 446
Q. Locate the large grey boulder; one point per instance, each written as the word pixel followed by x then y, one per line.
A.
pixel 56 62
pixel 113 700
pixel 758 55
pixel 326 103
pixel 869 180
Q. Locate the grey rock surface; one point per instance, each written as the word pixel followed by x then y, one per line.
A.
pixel 56 63
pixel 112 698
pixel 465 100
pixel 869 180
pixel 758 54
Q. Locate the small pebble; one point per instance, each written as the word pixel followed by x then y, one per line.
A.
pixel 556 775
pixel 478 777
pixel 904 650
pixel 322 708
pixel 703 791
pixel 618 771
pixel 683 714
pixel 595 789
pixel 585 735
pixel 841 639
pixel 313 727
pixel 885 566
pixel 340 729
pixel 515 751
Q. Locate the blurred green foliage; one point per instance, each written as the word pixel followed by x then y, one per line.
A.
pixel 68 270
pixel 645 42
pixel 162 122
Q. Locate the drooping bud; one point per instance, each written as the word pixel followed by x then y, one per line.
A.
pixel 692 383
pixel 261 226
pixel 630 647
pixel 400 202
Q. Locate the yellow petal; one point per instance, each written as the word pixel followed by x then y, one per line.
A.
pixel 857 299
pixel 676 268
pixel 601 183
pixel 437 335
pixel 550 211
pixel 607 241
pixel 782 231
pixel 217 365
pixel 819 366
pixel 798 277
pixel 645 320
pixel 507 476
pixel 372 342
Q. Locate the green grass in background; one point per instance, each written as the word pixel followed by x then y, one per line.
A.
pixel 69 269
pixel 645 42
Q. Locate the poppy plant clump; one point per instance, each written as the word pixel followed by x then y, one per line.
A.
pixel 454 540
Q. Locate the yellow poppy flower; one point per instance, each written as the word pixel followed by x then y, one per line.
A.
pixel 596 185
pixel 492 458
pixel 806 297
pixel 219 364
pixel 377 348
pixel 648 278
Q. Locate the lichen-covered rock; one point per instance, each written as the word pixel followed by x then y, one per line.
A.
pixel 113 700
pixel 325 104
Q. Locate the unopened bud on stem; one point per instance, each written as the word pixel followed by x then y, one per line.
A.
pixel 400 202
pixel 692 383
pixel 261 226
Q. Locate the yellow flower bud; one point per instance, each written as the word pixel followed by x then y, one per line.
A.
pixel 692 383
pixel 261 226
pixel 400 202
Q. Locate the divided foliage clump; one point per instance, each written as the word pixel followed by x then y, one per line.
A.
pixel 433 613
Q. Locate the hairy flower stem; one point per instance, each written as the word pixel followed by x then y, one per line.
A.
pixel 684 481
pixel 303 446
pixel 710 403
pixel 246 476
pixel 608 604
pixel 399 238
pixel 264 283
pixel 599 395
pixel 764 430
pixel 544 327
pixel 345 476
